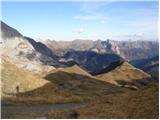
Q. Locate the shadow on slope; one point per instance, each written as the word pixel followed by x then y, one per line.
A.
pixel 135 83
pixel 79 84
pixel 150 65
pixel 67 88
pixel 93 62
pixel 40 47
pixel 110 67
pixel 65 84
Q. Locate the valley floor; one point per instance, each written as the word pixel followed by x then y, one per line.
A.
pixel 141 103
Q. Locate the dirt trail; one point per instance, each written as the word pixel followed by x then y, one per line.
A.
pixel 6 110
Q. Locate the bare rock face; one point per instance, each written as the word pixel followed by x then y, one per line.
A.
pixel 134 50
pixel 19 51
pixel 129 50
pixel 98 46
pixel 9 32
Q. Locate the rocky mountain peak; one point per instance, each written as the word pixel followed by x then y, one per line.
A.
pixel 9 32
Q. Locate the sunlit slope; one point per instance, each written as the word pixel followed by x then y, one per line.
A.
pixel 13 76
pixel 124 72
pixel 73 69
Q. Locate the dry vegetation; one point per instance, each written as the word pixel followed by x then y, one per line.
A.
pixel 125 72
pixel 142 103
pixel 74 85
pixel 13 76
pixel 59 86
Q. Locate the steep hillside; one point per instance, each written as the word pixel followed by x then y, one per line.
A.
pixel 124 74
pixel 73 69
pixel 110 67
pixel 12 76
pixel 33 89
pixel 16 48
pixel 79 82
pixel 9 32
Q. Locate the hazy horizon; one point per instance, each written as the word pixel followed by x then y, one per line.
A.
pixel 67 21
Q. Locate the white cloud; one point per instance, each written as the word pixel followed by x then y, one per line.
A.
pixel 81 30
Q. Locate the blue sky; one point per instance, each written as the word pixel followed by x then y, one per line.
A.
pixel 83 20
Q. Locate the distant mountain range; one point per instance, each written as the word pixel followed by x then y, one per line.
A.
pixel 150 65
pixel 129 50
pixel 133 50
pixel 96 57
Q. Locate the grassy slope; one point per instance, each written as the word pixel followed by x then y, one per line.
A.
pixel 74 85
pixel 60 86
pixel 79 82
pixel 125 72
pixel 13 76
pixel 73 69
pixel 136 104
pixel 33 89
pixel 142 103
pixel 72 81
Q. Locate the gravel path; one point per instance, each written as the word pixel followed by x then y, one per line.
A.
pixel 5 110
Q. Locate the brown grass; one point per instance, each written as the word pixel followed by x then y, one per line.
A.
pixel 142 103
pixel 69 85
pixel 125 72
pixel 12 76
